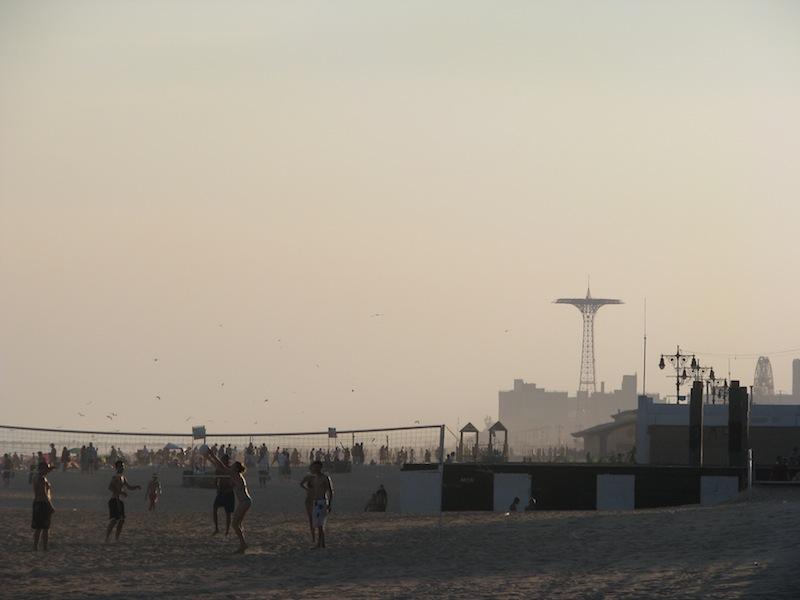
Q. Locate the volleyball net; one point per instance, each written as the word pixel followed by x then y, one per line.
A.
pixel 417 444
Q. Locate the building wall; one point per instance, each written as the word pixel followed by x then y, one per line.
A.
pixel 621 440
pixel 669 444
pixel 657 445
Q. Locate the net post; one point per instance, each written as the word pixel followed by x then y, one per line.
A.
pixel 441 473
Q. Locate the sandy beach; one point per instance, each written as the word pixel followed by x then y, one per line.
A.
pixel 744 549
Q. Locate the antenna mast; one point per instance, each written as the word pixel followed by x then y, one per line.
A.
pixel 644 352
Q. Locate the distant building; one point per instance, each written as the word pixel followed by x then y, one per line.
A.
pixel 539 418
pixel 613 440
pixel 662 432
pixel 659 434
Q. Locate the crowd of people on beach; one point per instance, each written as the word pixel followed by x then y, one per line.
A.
pixel 88 459
pixel 233 496
pixel 229 464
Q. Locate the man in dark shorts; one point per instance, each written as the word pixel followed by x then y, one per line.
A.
pixel 116 507
pixel 225 497
pixel 42 506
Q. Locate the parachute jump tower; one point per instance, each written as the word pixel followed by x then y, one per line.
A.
pixel 588 307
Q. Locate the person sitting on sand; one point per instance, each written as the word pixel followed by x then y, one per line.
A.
pixel 378 501
pixel 42 505
pixel 116 507
pixel 320 488
pixel 243 500
pixel 225 497
pixel 531 504
pixel 514 504
pixel 153 492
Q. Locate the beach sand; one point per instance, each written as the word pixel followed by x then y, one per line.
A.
pixel 749 548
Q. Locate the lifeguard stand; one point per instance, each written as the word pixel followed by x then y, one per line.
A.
pixel 493 431
pixel 468 428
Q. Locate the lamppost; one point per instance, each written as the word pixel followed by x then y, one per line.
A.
pixel 715 388
pixel 718 390
pixel 679 362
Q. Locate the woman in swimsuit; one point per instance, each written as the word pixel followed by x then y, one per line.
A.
pixel 243 500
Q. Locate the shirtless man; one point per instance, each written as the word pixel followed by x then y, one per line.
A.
pixel 116 507
pixel 42 506
pixel 225 497
pixel 320 489
pixel 235 474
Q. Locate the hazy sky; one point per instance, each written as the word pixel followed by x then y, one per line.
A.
pixel 193 181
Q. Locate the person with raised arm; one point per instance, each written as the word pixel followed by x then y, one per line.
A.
pixel 42 505
pixel 243 499
pixel 116 507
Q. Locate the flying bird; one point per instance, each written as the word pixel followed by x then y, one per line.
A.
pixel 80 414
pixel 109 417
pixel 266 399
pixel 187 418
pixel 222 384
pixel 155 360
pixel 376 315
pixel 158 397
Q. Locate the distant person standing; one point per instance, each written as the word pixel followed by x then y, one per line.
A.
pixel 322 493
pixel 263 469
pixel 64 458
pixel 153 492
pixel 225 496
pixel 306 484
pixel 42 506
pixel 8 468
pixel 116 507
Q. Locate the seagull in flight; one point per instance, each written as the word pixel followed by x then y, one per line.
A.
pixel 158 397
pixel 80 414
pixel 376 315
